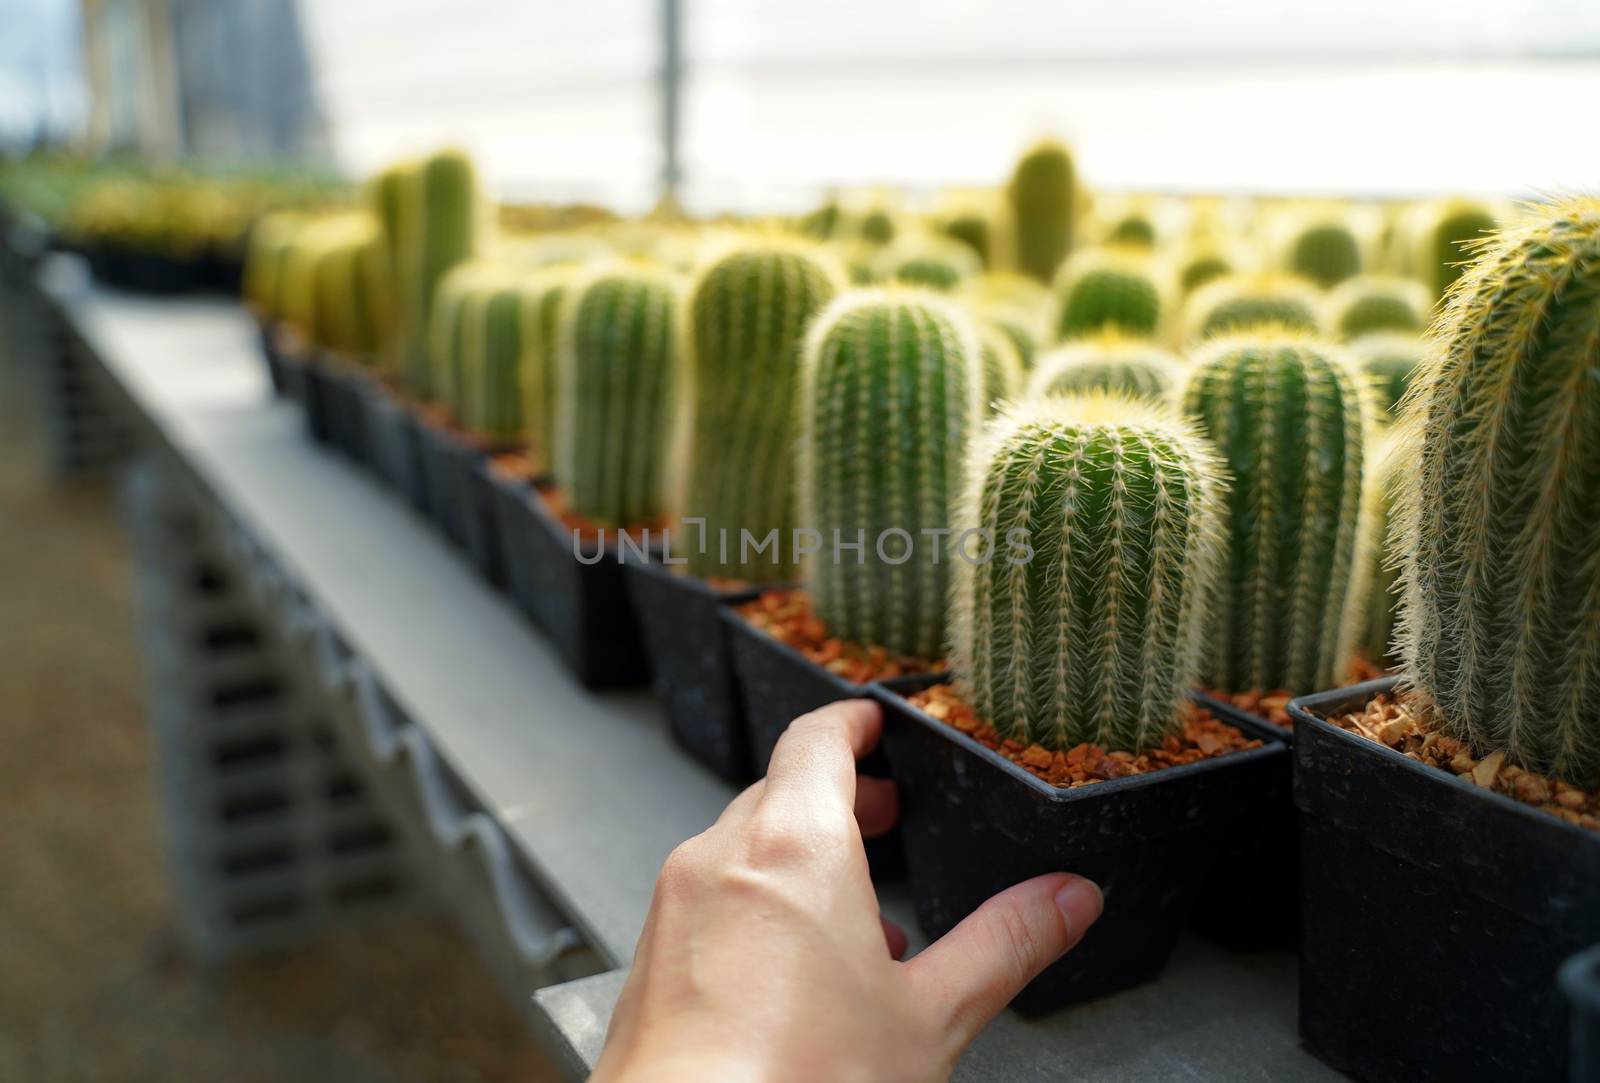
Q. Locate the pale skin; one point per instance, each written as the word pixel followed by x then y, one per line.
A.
pixel 764 956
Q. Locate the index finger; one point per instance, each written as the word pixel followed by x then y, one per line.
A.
pixel 816 756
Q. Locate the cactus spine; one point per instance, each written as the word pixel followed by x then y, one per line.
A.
pixel 1043 195
pixel 1106 289
pixel 747 316
pixel 1368 304
pixel 890 396
pixel 1389 361
pixel 1498 509
pixel 1239 302
pixel 1375 631
pixel 1289 416
pixel 618 389
pixel 1442 235
pixel 1110 363
pixel 1095 636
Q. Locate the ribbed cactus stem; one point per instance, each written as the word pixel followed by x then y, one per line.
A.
pixel 747 316
pixel 1002 367
pixel 443 231
pixel 1107 290
pixel 492 397
pixel 1443 236
pixel 619 390
pixel 891 395
pixel 1108 363
pixel 936 263
pixel 542 294
pixel 1289 415
pixel 1498 507
pixel 1236 303
pixel 1389 361
pixel 1368 304
pixel 446 341
pixel 1094 635
pixel 1325 252
pixel 1043 196
pixel 1380 581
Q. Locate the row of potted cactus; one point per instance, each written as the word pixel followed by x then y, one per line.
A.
pixel 1031 511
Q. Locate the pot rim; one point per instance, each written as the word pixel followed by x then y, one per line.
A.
pixel 659 569
pixel 1579 978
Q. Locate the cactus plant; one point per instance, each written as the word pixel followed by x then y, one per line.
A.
pixel 542 295
pixel 891 394
pixel 1289 414
pixel 1202 264
pixel 1134 229
pixel 442 231
pixel 1367 304
pixel 747 315
pixel 1237 302
pixel 619 389
pixel 1094 636
pixel 1497 510
pixel 1014 303
pixel 1002 366
pixel 491 397
pixel 270 239
pixel 446 341
pixel 974 229
pixel 1389 360
pixel 1380 578
pixel 1109 363
pixel 1325 252
pixel 1441 236
pixel 936 263
pixel 1107 289
pixel 1043 195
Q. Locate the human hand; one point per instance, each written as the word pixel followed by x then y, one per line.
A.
pixel 764 956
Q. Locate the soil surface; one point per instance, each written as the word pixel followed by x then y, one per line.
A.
pixel 786 615
pixel 93 983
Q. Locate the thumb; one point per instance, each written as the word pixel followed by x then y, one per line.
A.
pixel 974 970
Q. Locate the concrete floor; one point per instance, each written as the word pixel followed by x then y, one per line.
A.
pixel 93 983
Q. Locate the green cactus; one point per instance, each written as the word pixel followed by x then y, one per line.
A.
pixel 270 239
pixel 878 226
pixel 974 229
pixel 1325 252
pixel 1379 583
pixel 1108 363
pixel 1442 236
pixel 1289 414
pixel 619 391
pixel 1202 265
pixel 1371 303
pixel 891 395
pixel 1106 289
pixel 446 342
pixel 490 404
pixel 936 263
pixel 1497 508
pixel 1043 195
pixel 1238 302
pixel 822 223
pixel 442 231
pixel 542 295
pixel 747 316
pixel 1389 360
pixel 1014 303
pixel 1094 636
pixel 1002 366
pixel 1134 230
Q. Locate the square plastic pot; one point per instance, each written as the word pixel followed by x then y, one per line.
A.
pixel 680 618
pixel 447 465
pixel 268 337
pixel 974 823
pixel 347 388
pixel 1434 913
pixel 481 533
pixel 1251 898
pixel 576 596
pixel 394 448
pixel 1580 980
pixel 316 397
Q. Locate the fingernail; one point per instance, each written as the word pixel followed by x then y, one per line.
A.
pixel 1080 902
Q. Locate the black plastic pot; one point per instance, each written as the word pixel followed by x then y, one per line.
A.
pixel 1434 913
pixel 347 388
pixel 269 353
pixel 974 823
pixel 1580 980
pixel 448 462
pixel 576 596
pixel 1251 897
pixel 482 532
pixel 316 396
pixel 394 447
pixel 680 617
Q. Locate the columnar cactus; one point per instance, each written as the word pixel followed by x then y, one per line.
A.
pixel 1441 236
pixel 619 390
pixel 1498 511
pixel 1095 634
pixel 1389 361
pixel 1109 363
pixel 542 295
pixel 747 316
pixel 1375 628
pixel 1289 414
pixel 442 231
pixel 1106 289
pixel 394 195
pixel 490 404
pixel 446 340
pixel 1043 195
pixel 891 395
pixel 270 239
pixel 1326 252
pixel 1238 302
pixel 1367 304
pixel 1002 366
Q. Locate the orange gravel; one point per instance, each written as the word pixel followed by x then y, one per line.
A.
pixel 1273 704
pixel 786 615
pixel 1393 723
pixel 1201 737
